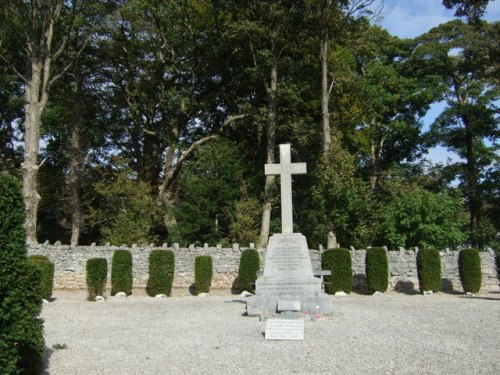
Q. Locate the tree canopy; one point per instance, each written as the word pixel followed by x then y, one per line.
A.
pixel 155 120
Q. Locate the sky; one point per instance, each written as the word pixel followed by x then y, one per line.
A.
pixel 411 18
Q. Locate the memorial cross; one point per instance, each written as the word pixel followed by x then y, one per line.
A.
pixel 285 169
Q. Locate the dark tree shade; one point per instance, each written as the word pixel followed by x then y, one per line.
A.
pixel 161 272
pixel 377 269
pixel 429 269
pixel 21 335
pixel 247 272
pixel 121 272
pixel 339 262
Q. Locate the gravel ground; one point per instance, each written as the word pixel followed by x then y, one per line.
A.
pixel 389 334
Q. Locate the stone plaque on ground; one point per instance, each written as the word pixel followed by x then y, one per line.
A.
pixel 284 329
pixel 288 274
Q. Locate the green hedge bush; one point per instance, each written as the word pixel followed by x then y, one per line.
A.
pixel 46 269
pixel 247 271
pixel 377 270
pixel 161 272
pixel 429 269
pixel 339 262
pixel 121 272
pixel 203 273
pixel 469 266
pixel 21 331
pixel 97 273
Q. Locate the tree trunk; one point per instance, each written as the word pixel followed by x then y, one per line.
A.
pixel 38 80
pixel 76 155
pixel 325 95
pixel 376 156
pixel 270 145
pixel 472 183
pixel 33 113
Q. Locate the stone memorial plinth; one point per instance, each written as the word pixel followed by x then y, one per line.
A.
pixel 288 274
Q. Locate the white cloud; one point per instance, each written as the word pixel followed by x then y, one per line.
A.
pixel 410 18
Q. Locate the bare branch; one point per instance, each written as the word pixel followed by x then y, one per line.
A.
pixel 13 68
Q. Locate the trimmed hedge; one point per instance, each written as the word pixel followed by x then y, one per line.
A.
pixel 377 270
pixel 21 331
pixel 339 262
pixel 247 271
pixel 97 273
pixel 203 273
pixel 161 272
pixel 469 266
pixel 429 269
pixel 46 269
pixel 121 272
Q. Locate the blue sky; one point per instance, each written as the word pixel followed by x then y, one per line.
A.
pixel 410 18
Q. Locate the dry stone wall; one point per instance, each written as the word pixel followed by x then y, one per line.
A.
pixel 70 266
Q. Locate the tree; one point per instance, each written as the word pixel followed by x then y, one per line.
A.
pixel 124 210
pixel 341 201
pixel 472 9
pixel 208 189
pixel 390 100
pixel 47 26
pixel 460 58
pixel 417 217
pixel 162 83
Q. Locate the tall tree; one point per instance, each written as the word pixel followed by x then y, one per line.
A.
pixel 463 58
pixel 472 9
pixel 390 100
pixel 47 26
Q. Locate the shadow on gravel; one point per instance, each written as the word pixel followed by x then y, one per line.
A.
pixel 485 298
pixel 46 361
pixel 236 301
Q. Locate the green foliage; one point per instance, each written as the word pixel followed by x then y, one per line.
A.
pixel 429 269
pixel 341 202
pixel 127 212
pixel 209 189
pixel 21 337
pixel 247 271
pixel 469 267
pixel 203 273
pixel 458 57
pixel 377 269
pixel 46 269
pixel 121 272
pixel 418 217
pixel 339 262
pixel 161 272
pixel 97 273
pixel 245 219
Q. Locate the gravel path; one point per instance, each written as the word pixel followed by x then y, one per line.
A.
pixel 390 334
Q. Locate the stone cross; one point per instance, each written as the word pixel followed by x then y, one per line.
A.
pixel 286 169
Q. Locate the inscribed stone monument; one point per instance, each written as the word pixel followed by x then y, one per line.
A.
pixel 288 274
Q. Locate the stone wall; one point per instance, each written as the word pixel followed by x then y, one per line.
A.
pixel 70 266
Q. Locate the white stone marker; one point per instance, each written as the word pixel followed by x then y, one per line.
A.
pixel 285 170
pixel 284 329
